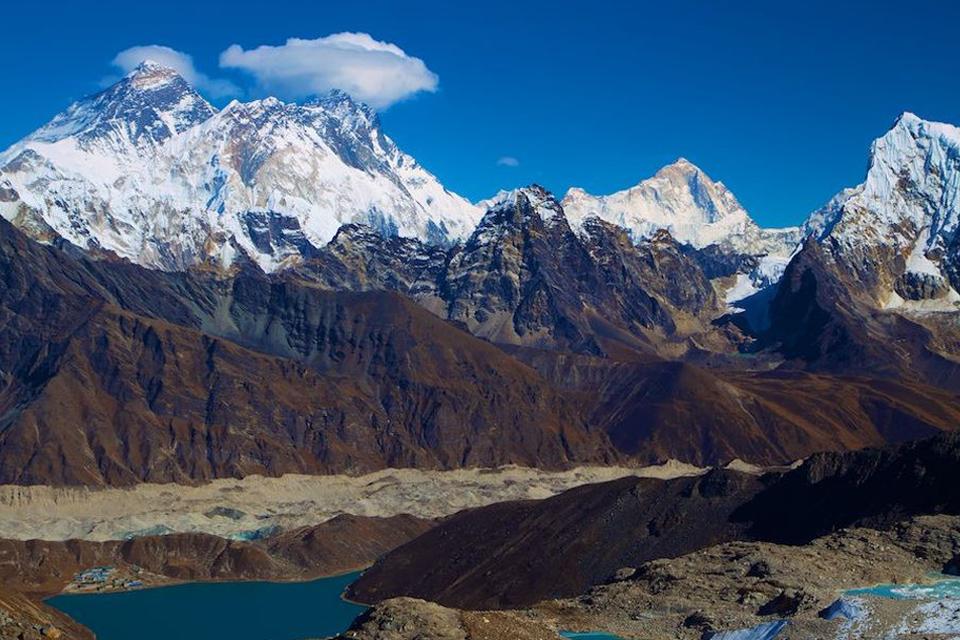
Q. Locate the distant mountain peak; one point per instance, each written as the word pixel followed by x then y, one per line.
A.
pixel 151 67
pixel 148 65
pixel 908 119
pixel 680 197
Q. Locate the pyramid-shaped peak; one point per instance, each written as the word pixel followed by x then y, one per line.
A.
pixel 680 166
pixel 151 75
pixel 151 66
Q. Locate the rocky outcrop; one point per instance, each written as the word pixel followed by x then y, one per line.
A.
pixel 412 619
pixel 714 590
pixel 24 618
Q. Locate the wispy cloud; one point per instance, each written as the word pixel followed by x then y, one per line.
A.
pixel 508 161
pixel 182 62
pixel 378 73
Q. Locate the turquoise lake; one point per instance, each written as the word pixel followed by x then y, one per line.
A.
pixel 235 610
pixel 579 635
pixel 944 587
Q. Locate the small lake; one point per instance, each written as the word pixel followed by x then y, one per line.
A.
pixel 588 635
pixel 199 611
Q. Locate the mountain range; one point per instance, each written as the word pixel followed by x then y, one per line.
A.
pixel 168 267
pixel 147 170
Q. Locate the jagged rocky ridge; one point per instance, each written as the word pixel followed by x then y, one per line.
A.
pixel 525 277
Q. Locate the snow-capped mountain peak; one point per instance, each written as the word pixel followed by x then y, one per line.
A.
pixel 148 170
pixel 912 182
pixel 347 110
pixel 148 106
pixel 541 202
pixel 907 208
pixel 682 199
pixel 696 210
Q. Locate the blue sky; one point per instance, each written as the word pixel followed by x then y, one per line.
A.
pixel 779 100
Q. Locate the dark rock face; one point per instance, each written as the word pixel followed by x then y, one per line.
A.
pixel 516 554
pixel 873 487
pixel 178 377
pixel 952 568
pixel 276 234
pixel 7 192
pixel 921 286
pixel 718 262
pixel 823 318
pixel 657 266
pixel 361 259
pixel 785 604
pixel 511 281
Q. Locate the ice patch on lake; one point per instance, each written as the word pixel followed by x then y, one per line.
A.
pixel 848 608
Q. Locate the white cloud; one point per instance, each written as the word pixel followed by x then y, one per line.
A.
pixel 508 161
pixel 128 59
pixel 378 73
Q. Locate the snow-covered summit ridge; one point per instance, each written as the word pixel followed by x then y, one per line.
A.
pixel 543 203
pixel 150 171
